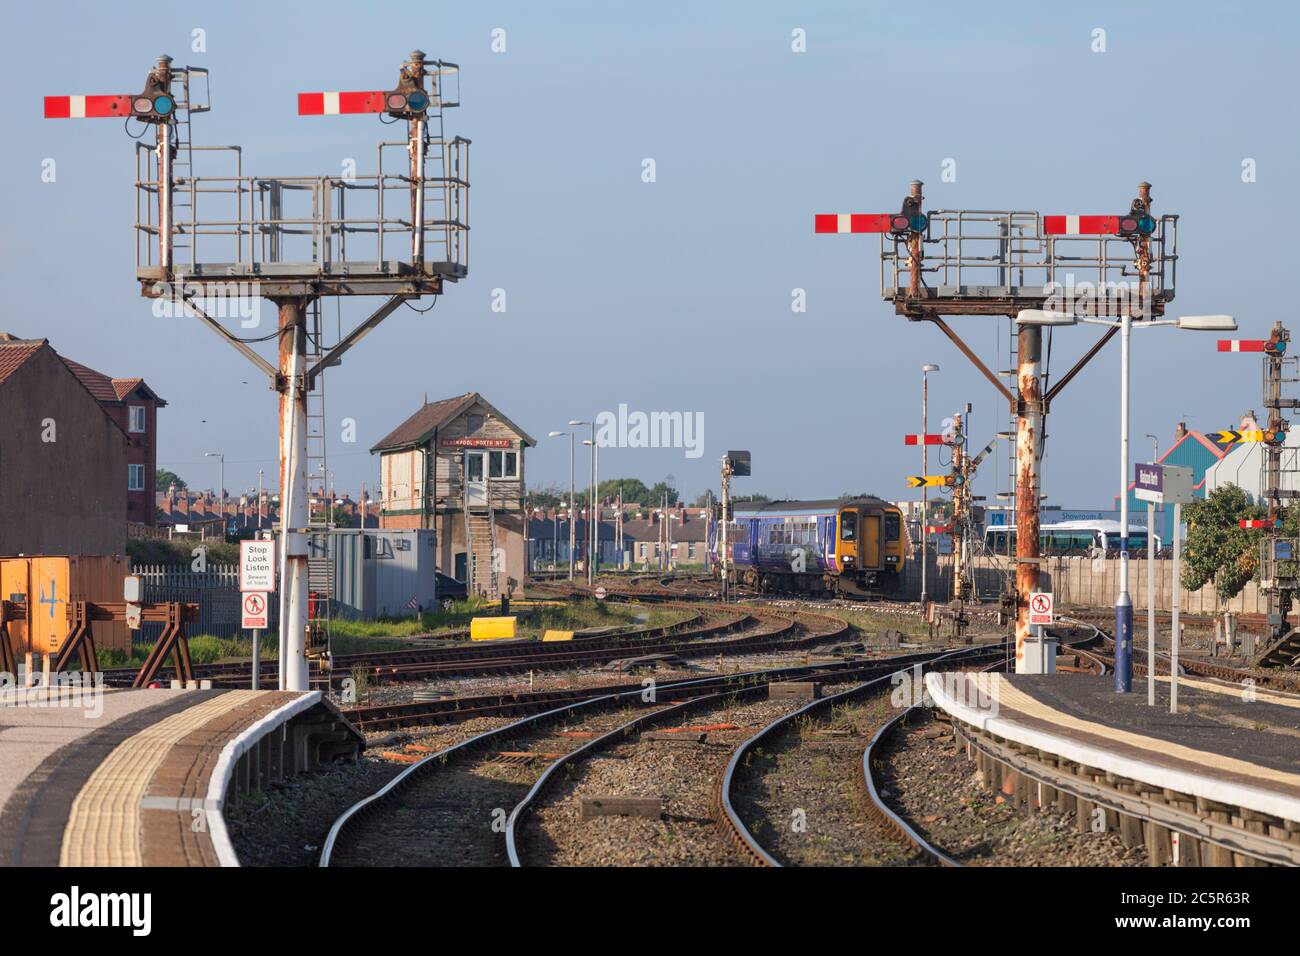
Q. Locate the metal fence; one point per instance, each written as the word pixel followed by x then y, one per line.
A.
pixel 215 591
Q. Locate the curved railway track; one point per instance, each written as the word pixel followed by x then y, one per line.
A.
pixel 745 839
pixel 349 830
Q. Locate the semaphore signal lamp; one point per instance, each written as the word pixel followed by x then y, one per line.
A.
pixel 407 102
pixel 1139 221
pixel 910 219
pixel 154 105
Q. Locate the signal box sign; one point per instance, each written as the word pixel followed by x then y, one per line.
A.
pixel 254 604
pixel 256 566
pixel 1040 607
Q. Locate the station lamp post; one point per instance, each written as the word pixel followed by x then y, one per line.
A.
pixel 593 519
pixel 925 495
pixel 1125 324
pixel 221 480
pixel 591 473
pixel 571 492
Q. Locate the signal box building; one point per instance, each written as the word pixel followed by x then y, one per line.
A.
pixel 457 466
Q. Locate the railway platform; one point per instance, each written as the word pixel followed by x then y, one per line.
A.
pixel 1217 784
pixel 142 777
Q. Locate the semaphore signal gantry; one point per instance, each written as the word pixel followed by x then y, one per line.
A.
pixel 207 230
pixel 944 262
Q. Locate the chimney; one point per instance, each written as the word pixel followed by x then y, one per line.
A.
pixel 1182 430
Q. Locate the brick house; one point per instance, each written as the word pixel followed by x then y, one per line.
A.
pixel 134 406
pixel 457 466
pixel 57 446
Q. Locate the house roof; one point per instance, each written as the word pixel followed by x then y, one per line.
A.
pixel 14 352
pixel 432 415
pixel 109 390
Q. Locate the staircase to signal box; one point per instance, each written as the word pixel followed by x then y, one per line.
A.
pixel 480 533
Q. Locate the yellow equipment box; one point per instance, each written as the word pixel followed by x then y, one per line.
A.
pixel 557 636
pixel 491 628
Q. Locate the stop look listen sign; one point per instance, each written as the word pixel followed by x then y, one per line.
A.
pixel 257 565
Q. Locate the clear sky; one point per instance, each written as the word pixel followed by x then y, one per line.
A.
pixel 675 295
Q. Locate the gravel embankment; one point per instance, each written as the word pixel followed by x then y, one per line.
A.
pixel 929 782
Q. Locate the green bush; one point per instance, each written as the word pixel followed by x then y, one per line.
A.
pixel 163 551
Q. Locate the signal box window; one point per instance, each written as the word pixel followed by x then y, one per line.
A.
pixel 135 418
pixel 848 526
pixel 503 464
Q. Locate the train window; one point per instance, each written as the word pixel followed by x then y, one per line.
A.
pixel 893 527
pixel 848 526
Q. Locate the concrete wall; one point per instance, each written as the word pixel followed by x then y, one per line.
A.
pixel 66 496
pixel 1082 581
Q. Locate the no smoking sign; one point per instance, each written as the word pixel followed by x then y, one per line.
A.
pixel 1040 607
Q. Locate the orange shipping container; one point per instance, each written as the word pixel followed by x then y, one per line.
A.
pixel 47 584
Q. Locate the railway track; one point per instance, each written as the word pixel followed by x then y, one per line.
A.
pixel 747 760
pixel 700 635
pixel 1262 677
pixel 352 838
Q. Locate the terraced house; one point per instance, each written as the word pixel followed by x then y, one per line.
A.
pixel 457 466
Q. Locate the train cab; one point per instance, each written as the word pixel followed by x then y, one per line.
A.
pixel 869 541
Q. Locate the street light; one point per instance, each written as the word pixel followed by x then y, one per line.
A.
pixel 221 481
pixel 1123 603
pixel 591 497
pixel 926 369
pixel 571 494
pixel 594 518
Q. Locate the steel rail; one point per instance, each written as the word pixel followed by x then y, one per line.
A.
pixel 885 813
pixel 757 678
pixel 744 838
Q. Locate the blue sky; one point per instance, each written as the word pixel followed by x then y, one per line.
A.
pixel 675 295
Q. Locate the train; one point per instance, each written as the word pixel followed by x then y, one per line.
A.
pixel 850 547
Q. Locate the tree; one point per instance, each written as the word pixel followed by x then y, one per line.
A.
pixel 1218 548
pixel 659 490
pixel 165 478
pixel 633 490
pixel 550 496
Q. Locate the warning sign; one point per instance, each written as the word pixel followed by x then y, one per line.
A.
pixel 257 565
pixel 1040 607
pixel 254 608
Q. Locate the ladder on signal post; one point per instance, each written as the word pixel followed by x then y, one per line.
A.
pixel 323 548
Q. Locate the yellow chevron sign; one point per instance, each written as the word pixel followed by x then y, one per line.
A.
pixel 928 481
pixel 1228 437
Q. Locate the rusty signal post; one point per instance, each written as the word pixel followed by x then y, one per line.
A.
pixel 238 231
pixel 947 262
pixel 1277 552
